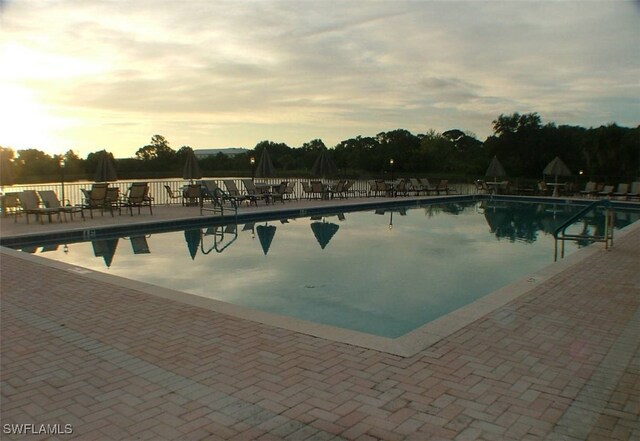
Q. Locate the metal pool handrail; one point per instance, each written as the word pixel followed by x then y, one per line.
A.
pixel 560 232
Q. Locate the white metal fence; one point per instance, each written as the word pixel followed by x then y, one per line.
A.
pixel 72 190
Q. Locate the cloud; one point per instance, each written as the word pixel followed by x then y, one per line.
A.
pixel 293 71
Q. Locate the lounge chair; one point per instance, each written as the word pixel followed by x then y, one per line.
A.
pixel 139 245
pixel 31 205
pixel 427 187
pixel 232 190
pixel 589 189
pixel 138 197
pixel 401 187
pixel 382 187
pixel 621 191
pixel 96 198
pixel 607 191
pixel 251 189
pixel 171 195
pixel 220 200
pixel 634 191
pixel 11 205
pixel 443 186
pixel 416 186
pixel 50 200
pixel 338 190
pixel 348 189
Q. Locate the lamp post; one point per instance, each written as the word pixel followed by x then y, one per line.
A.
pixel 63 164
pixel 252 160
pixel 391 167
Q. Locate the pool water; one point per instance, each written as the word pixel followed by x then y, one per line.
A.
pixel 383 272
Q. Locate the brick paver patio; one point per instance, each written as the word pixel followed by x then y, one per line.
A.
pixel 561 362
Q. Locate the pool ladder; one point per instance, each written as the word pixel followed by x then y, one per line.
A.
pixel 560 234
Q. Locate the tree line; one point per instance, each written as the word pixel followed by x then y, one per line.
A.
pixel 522 143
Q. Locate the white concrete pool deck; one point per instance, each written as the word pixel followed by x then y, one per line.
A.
pixel 553 356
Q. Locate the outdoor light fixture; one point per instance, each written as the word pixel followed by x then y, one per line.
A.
pixel 391 166
pixel 62 164
pixel 252 161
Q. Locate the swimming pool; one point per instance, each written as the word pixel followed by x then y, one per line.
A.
pixel 384 272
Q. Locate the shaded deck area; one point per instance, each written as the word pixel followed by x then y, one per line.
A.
pixel 562 362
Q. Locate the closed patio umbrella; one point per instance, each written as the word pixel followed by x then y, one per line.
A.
pixel 324 231
pixel 324 165
pixel 191 169
pixel 265 167
pixel 6 175
pixel 495 169
pixel 106 170
pixel 265 235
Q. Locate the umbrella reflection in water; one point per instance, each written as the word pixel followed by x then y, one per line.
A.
pixel 192 237
pixel 324 231
pixel 105 248
pixel 265 236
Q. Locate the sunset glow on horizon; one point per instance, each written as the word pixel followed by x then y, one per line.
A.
pixel 100 74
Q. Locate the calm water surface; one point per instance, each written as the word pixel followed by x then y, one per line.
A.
pixel 384 272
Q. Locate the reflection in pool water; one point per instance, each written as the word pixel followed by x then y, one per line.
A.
pixel 384 272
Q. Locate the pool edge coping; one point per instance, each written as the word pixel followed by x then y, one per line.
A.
pixel 406 345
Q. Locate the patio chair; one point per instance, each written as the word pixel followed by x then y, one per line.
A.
pixel 543 189
pixel 113 199
pixel 192 193
pixel 634 191
pixel 280 192
pixel 31 205
pixel 307 191
pixel 171 195
pixel 317 188
pixel 96 198
pixel 11 205
pixel 589 189
pixel 138 197
pixel 290 192
pixel 50 200
pixel 621 191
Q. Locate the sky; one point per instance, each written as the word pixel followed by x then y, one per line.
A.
pixel 105 74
